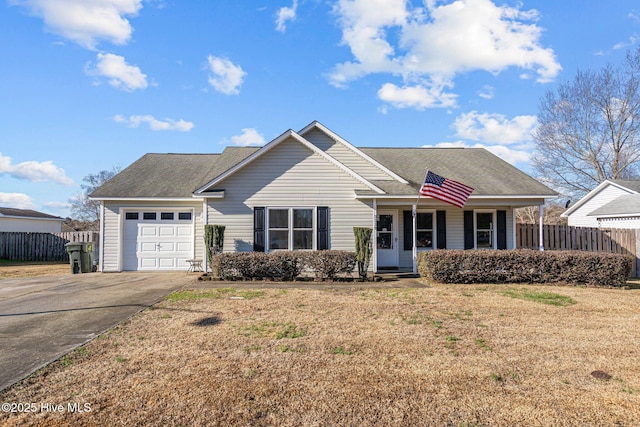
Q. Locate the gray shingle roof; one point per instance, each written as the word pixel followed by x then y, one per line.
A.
pixel 179 175
pixel 26 213
pixel 623 206
pixel 475 167
pixel 628 183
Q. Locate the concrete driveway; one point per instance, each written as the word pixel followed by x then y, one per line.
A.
pixel 43 318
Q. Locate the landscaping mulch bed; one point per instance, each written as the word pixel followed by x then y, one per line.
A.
pixel 497 355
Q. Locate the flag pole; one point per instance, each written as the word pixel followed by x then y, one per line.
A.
pixel 414 216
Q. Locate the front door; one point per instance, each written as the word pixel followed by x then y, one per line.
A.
pixel 387 239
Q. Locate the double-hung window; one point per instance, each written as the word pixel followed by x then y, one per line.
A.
pixel 290 229
pixel 424 230
pixel 485 230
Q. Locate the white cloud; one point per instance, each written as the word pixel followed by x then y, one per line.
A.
pixel 249 136
pixel 16 201
pixel 633 39
pixel 119 74
pixel 225 76
pixel 155 124
pixel 86 22
pixel 494 128
pixel 284 15
pixel 34 171
pixel 435 43
pixel 418 97
pixel 486 92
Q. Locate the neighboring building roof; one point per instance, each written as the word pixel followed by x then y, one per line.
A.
pixel 630 186
pixel 182 175
pixel 628 205
pixel 26 213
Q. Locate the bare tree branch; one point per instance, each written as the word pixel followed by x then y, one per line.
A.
pixel 589 129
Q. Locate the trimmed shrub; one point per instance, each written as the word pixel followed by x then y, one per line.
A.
pixel 327 265
pixel 525 266
pixel 283 265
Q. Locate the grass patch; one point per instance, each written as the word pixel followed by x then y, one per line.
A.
pixel 289 330
pixel 340 350
pixel 482 361
pixel 195 295
pixel 543 297
pixel 482 343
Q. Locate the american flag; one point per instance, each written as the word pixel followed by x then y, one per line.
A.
pixel 444 189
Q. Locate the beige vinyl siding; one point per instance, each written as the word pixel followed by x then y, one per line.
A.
pixel 346 156
pixel 289 175
pixel 455 229
pixel 579 217
pixel 113 228
pixel 111 238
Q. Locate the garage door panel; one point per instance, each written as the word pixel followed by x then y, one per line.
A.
pixel 165 231
pixel 148 231
pixel 168 263
pixel 149 263
pixel 184 231
pixel 183 247
pixel 157 244
pixel 147 246
pixel 166 247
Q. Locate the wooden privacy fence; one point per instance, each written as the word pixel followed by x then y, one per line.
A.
pixel 16 246
pixel 564 237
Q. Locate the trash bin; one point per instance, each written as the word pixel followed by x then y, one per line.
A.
pixel 80 256
pixel 86 257
pixel 74 251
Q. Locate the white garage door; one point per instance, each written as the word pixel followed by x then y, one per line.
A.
pixel 157 240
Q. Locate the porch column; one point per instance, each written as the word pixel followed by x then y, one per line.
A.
pixel 205 221
pixel 414 248
pixel 101 244
pixel 374 234
pixel 513 228
pixel 541 230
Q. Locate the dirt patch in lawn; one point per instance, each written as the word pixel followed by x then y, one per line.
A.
pixel 443 355
pixel 13 270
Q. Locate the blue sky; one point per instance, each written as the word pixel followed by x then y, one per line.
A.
pixel 87 85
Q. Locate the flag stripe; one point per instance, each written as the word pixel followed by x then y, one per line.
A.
pixel 444 189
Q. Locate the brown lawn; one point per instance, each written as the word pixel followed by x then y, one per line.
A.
pixel 459 355
pixel 11 270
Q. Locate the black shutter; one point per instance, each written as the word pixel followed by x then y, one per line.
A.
pixel 502 229
pixel 258 229
pixel 441 229
pixel 408 230
pixel 468 230
pixel 322 228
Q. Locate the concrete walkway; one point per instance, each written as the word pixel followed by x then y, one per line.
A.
pixel 43 318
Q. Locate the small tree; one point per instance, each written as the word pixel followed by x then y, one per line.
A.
pixel 85 209
pixel 363 250
pixel 213 240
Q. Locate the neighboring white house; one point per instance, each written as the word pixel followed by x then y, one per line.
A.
pixel 622 212
pixel 580 214
pixel 306 190
pixel 25 220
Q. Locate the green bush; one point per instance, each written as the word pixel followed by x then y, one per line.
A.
pixel 327 265
pixel 283 265
pixel 525 266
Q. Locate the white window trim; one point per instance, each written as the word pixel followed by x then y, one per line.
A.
pixel 434 230
pixel 494 244
pixel 314 232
